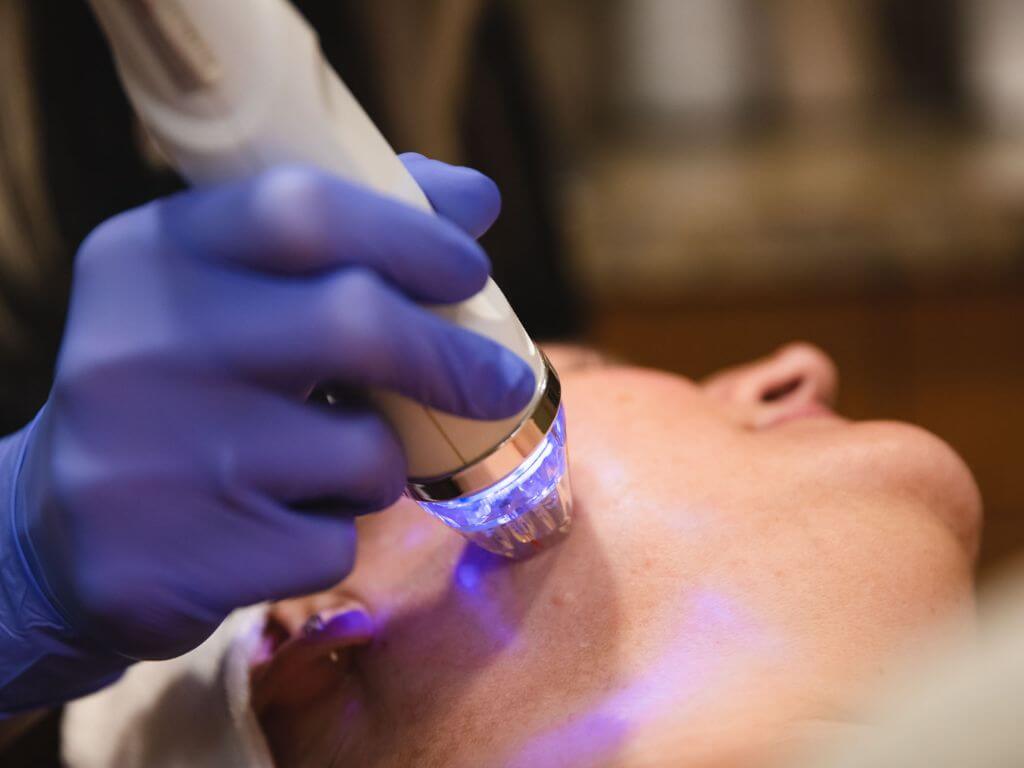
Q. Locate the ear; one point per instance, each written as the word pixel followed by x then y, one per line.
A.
pixel 310 660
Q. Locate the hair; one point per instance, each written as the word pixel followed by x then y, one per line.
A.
pixel 29 243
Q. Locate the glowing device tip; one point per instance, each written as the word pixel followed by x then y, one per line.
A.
pixel 527 511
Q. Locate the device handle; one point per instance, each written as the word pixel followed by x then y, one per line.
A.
pixel 228 88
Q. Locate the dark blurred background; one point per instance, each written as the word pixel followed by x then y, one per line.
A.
pixel 740 173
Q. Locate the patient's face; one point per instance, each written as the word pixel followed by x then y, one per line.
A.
pixel 743 564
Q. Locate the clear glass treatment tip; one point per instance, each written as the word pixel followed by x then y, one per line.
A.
pixel 527 512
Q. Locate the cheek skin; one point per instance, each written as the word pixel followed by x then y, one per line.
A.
pixel 493 650
pixel 888 464
pixel 741 581
pixel 584 629
pixel 632 431
pixel 854 592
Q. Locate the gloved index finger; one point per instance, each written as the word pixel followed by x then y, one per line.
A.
pixel 300 221
pixel 466 197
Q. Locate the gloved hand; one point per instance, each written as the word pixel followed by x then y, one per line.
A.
pixel 161 485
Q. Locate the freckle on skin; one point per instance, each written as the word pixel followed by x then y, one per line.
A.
pixel 562 599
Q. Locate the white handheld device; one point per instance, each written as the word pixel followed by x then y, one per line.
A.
pixel 228 88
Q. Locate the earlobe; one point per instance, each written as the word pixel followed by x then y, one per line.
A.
pixel 310 661
pixel 309 677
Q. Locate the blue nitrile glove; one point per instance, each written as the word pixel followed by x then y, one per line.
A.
pixel 161 485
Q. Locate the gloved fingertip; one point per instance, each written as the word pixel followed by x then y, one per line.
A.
pixel 525 383
pixel 482 202
pixel 515 387
pixel 458 270
pixel 466 197
pixel 475 271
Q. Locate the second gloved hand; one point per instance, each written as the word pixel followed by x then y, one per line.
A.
pixel 161 485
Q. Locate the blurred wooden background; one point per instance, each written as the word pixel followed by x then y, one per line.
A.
pixel 740 174
pixel 949 361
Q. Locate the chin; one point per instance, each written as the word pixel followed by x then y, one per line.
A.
pixel 912 464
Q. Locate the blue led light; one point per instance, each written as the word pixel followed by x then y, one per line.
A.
pixel 522 509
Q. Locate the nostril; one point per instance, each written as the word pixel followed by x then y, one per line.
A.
pixel 779 391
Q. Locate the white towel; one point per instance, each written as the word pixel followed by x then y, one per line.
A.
pixel 191 712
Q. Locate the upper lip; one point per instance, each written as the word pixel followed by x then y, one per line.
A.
pixel 809 409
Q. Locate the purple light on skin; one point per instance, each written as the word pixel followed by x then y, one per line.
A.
pixel 468 576
pixel 590 740
pixel 517 513
pixel 717 631
pixel 673 685
pixel 487 614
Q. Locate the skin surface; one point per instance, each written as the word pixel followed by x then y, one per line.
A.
pixel 744 565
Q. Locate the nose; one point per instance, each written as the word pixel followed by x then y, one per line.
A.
pixel 797 380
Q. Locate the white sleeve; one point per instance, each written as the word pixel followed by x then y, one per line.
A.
pixel 190 712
